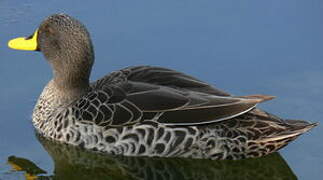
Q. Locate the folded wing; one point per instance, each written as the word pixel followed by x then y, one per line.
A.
pixel 146 92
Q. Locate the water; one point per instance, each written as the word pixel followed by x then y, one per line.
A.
pixel 244 47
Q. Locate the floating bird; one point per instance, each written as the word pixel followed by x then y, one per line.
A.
pixel 144 110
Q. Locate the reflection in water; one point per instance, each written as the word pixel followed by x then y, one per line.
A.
pixel 73 163
pixel 20 164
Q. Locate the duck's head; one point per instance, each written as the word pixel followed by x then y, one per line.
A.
pixel 67 46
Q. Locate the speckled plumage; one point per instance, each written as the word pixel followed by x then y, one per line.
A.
pixel 147 111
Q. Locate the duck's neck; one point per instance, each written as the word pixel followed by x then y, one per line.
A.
pixel 71 80
pixel 71 74
pixel 71 84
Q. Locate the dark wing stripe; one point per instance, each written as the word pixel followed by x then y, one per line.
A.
pixel 204 116
pixel 157 100
pixel 170 78
pixel 216 101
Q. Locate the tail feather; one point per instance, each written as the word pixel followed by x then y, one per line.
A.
pixel 275 141
pixel 294 129
pixel 300 123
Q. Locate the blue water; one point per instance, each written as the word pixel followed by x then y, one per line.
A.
pixel 244 47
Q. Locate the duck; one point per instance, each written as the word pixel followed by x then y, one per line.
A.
pixel 144 110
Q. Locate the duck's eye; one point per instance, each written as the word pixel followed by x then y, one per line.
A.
pixel 49 30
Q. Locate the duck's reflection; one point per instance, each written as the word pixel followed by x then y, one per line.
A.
pixel 73 163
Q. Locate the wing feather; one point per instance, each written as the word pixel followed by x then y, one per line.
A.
pixel 138 92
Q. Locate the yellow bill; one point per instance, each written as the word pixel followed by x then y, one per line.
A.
pixel 22 43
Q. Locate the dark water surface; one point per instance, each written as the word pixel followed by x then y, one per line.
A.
pixel 245 47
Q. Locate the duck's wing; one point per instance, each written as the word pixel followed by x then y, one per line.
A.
pixel 170 78
pixel 141 93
